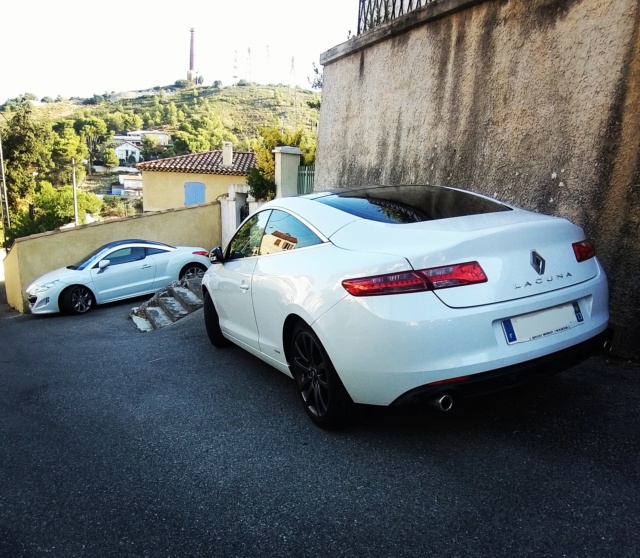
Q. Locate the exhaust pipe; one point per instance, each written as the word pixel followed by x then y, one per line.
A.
pixel 607 346
pixel 443 403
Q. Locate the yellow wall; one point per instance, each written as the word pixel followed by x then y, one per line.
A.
pixel 164 190
pixel 35 255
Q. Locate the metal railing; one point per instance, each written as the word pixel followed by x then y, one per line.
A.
pixel 376 12
pixel 306 179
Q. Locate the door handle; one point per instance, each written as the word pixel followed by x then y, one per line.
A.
pixel 244 287
pixel 147 266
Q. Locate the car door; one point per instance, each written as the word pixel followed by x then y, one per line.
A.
pixel 282 277
pixel 165 272
pixel 233 281
pixel 129 273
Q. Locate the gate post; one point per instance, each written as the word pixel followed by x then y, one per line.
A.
pixel 287 163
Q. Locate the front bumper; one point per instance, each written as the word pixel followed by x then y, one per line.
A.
pixel 44 303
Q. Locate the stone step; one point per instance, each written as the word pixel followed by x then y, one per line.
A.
pixel 171 307
pixel 140 321
pixel 157 317
pixel 190 300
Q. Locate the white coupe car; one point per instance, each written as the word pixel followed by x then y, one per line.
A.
pixel 394 295
pixel 115 271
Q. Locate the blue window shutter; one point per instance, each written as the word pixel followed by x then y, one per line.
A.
pixel 193 193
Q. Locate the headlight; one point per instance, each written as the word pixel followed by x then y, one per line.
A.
pixel 37 289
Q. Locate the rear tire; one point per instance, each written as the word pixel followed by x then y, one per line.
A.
pixel 192 271
pixel 212 324
pixel 323 396
pixel 76 300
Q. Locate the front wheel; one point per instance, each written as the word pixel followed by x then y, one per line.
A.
pixel 212 324
pixel 323 396
pixel 76 300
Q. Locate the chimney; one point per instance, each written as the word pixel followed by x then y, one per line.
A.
pixel 192 75
pixel 192 53
pixel 227 154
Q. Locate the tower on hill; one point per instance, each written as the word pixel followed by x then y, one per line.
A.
pixel 192 75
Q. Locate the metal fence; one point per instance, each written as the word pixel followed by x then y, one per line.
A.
pixel 306 179
pixel 376 12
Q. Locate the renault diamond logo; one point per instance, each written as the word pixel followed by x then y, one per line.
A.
pixel 537 262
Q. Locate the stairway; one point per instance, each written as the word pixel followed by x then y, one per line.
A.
pixel 168 305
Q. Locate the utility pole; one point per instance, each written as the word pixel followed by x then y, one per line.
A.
pixel 6 219
pixel 75 196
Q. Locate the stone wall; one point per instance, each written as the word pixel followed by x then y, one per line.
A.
pixel 536 103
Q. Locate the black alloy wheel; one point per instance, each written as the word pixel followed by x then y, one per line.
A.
pixel 192 271
pixel 76 300
pixel 323 396
pixel 212 324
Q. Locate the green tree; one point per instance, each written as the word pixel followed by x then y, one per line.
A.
pixel 150 148
pixel 261 180
pixel 67 146
pixel 94 131
pixel 53 208
pixel 110 158
pixel 27 146
pixel 187 142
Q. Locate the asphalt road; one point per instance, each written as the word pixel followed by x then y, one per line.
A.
pixel 120 443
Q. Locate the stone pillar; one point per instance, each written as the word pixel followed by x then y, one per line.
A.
pixel 287 163
pixel 230 206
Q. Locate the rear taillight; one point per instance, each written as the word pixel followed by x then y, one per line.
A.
pixel 201 253
pixel 396 283
pixel 584 250
pixel 455 275
pixel 415 281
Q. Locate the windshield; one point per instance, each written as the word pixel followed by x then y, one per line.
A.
pixel 90 259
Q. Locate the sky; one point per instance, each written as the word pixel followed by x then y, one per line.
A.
pixel 78 48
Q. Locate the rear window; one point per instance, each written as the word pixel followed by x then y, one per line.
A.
pixel 410 204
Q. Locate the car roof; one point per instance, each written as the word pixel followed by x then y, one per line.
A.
pixel 132 241
pixel 331 210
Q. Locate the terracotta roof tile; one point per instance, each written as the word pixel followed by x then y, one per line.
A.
pixel 203 163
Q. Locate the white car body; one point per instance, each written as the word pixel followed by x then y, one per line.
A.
pixel 392 348
pixel 106 275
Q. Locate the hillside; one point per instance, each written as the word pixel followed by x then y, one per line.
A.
pixel 242 109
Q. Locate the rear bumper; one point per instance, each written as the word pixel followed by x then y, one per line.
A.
pixel 508 377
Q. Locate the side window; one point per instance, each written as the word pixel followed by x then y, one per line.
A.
pixel 125 255
pixel 155 251
pixel 193 193
pixel 246 242
pixel 285 232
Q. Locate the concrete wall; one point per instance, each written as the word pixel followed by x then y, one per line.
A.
pixel 35 255
pixel 165 190
pixel 536 103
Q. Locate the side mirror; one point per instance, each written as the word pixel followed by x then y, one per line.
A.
pixel 103 264
pixel 215 256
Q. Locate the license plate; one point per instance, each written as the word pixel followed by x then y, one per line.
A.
pixel 537 325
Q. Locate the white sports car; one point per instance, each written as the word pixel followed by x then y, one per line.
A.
pixel 394 295
pixel 115 271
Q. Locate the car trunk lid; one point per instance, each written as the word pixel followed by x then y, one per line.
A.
pixel 522 253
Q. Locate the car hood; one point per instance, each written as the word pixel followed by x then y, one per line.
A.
pixel 502 243
pixel 62 274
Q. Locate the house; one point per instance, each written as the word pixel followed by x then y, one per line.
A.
pixel 163 138
pixel 193 179
pixel 133 138
pixel 127 150
pixel 130 186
